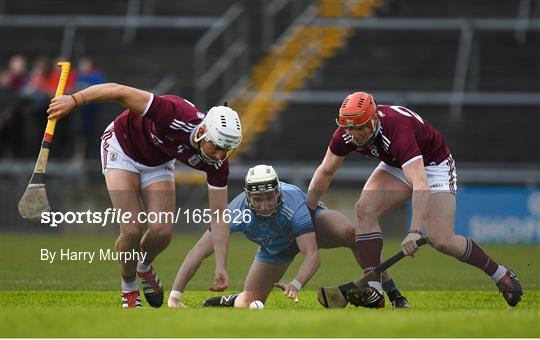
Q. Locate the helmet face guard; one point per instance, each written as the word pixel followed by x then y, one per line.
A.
pixel 264 204
pixel 262 190
pixel 207 159
pixel 373 123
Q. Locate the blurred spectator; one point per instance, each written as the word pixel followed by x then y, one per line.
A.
pixel 86 122
pixel 15 76
pixel 23 102
pixel 11 81
pixel 89 74
pixel 37 85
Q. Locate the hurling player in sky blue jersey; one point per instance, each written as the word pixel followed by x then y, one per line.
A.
pixel 274 215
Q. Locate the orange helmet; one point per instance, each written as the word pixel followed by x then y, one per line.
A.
pixel 357 110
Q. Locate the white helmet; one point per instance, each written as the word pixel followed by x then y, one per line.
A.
pixel 222 128
pixel 263 180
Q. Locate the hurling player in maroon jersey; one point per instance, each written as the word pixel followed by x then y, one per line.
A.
pixel 415 164
pixel 138 153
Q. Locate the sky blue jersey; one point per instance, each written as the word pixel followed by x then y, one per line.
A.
pixel 277 233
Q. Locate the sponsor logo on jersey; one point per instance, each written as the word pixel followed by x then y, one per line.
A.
pixel 180 148
pixel 194 160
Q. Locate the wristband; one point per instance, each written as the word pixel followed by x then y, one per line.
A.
pixel 175 294
pixel 296 284
pixel 81 100
pixel 75 100
pixel 415 231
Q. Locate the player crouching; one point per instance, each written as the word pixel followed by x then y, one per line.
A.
pixel 281 224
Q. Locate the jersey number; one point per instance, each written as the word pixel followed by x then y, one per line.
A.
pixel 406 112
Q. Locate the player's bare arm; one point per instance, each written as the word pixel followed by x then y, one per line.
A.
pixel 131 98
pixel 307 244
pixel 416 175
pixel 323 177
pixel 217 198
pixel 193 260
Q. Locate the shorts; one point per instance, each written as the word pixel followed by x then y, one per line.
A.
pixel 283 257
pixel 441 177
pixel 113 157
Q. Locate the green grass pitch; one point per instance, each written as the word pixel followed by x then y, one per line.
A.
pixel 78 299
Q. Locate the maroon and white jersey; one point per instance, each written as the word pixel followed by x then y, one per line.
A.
pixel 404 137
pixel 164 132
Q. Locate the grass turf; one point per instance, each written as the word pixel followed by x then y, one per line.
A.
pixel 78 299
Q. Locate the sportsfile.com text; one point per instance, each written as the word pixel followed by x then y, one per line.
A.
pixel 114 216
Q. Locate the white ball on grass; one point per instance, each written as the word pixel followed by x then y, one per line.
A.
pixel 256 305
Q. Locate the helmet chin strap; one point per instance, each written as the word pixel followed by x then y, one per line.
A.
pixel 207 159
pixel 203 156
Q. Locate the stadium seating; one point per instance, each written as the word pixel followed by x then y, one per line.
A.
pixel 408 60
pixel 373 60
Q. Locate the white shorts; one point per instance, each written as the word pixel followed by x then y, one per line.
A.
pixel 113 157
pixel 441 177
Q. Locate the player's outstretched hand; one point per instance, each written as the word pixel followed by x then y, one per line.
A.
pixel 288 289
pixel 221 281
pixel 175 303
pixel 60 107
pixel 408 245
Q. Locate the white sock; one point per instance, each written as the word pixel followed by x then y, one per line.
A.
pixel 175 294
pixel 501 271
pixel 142 267
pixel 377 285
pixel 129 286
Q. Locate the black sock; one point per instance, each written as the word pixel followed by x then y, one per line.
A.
pixel 389 286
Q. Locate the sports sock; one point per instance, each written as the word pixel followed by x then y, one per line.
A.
pixel 129 285
pixel 475 256
pixel 142 267
pixel 367 250
pixel 389 286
